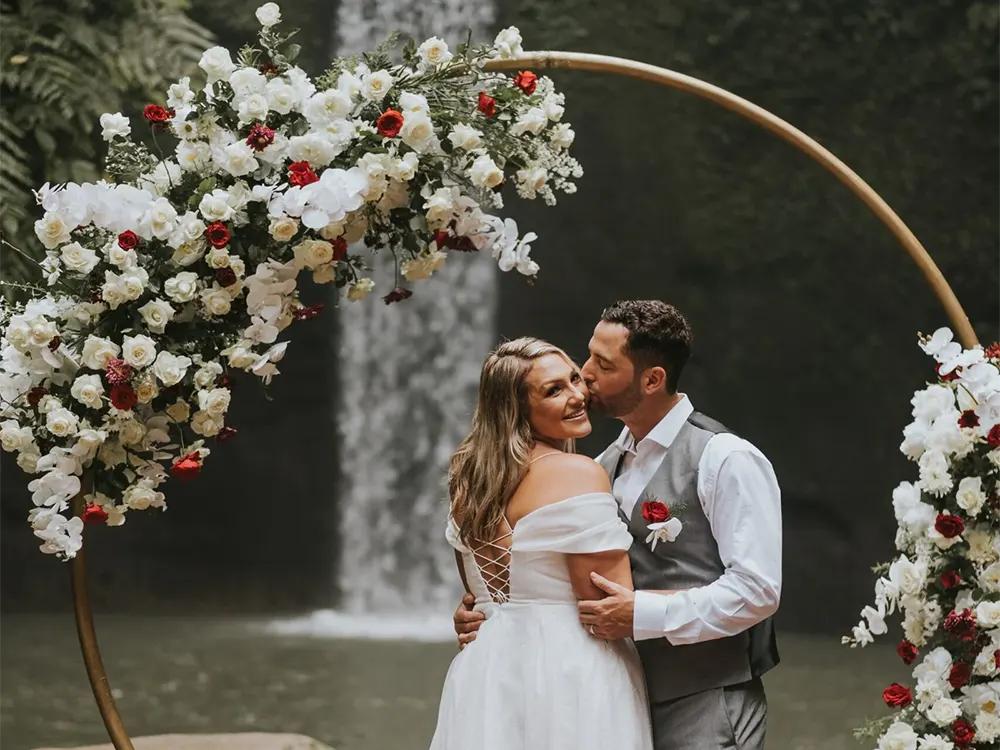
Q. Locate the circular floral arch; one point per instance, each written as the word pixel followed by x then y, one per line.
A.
pixel 773 123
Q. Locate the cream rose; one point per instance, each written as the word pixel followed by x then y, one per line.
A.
pixel 214 402
pixel 313 253
pixel 179 411
pixel 170 368
pixel 77 258
pixel 183 287
pixel 283 228
pixel 97 351
pixel 156 314
pixel 139 351
pixel 61 422
pixel 88 390
pixel 206 425
pixel 360 289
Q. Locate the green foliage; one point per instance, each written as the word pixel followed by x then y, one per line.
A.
pixel 63 63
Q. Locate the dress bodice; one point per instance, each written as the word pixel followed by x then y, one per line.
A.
pixel 540 541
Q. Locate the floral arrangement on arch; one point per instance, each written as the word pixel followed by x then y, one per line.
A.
pixel 946 579
pixel 161 284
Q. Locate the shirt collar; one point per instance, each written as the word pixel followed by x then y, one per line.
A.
pixel 664 432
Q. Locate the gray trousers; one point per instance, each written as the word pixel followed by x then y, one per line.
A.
pixel 729 718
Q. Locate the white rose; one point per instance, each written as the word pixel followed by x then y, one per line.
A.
pixel 215 206
pixel 114 126
pixel 42 331
pixel 52 230
pixel 142 495
pixel 159 221
pixel 77 258
pixel 374 86
pixel 239 268
pixel 440 207
pixel 217 64
pixel 97 351
pixel 218 257
pixel 216 301
pixel 562 136
pixel 313 148
pixel 410 102
pixel 283 228
pixel 180 95
pixel 156 314
pixel 417 131
pixel 281 97
pixel 88 389
pixel 206 425
pixel 48 403
pixel 532 180
pixel 120 257
pixel 908 578
pixel 238 159
pixel 207 374
pixel 360 289
pixel 179 411
pixel 240 357
pixel 944 712
pixel 112 454
pixel 988 614
pixel 932 402
pixel 485 173
pixel 434 52
pixel 139 351
pixel 899 736
pixel 989 579
pixel 508 42
pixel 554 109
pixel 269 14
pixel 247 81
pixel 464 136
pixel 13 437
pixel 28 461
pixel 183 287
pixel 533 121
pixel 313 253
pixel 325 274
pixel 326 107
pixel 132 283
pixel 61 422
pixel 970 496
pixel 189 253
pixel 146 391
pixel 214 402
pixel 170 368
pixel 87 442
pixel 404 169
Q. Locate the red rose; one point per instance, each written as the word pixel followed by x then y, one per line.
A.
pixel 487 104
pixel 117 371
pixel 655 511
pixel 94 514
pixel 526 81
pixel 217 234
pixel 123 397
pixel 156 114
pixel 397 295
pixel 993 438
pixel 950 579
pixel 949 525
pixel 339 249
pixel 993 351
pixel 963 733
pixel 961 625
pixel 907 652
pixel 188 467
pixel 226 433
pixel 300 174
pixel 225 276
pixel 389 123
pixel 959 675
pixel 35 395
pixel 128 240
pixel 260 137
pixel 897 696
pixel 968 418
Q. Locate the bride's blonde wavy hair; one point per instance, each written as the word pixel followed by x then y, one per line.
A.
pixel 493 459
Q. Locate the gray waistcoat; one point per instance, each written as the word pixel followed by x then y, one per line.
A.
pixel 692 559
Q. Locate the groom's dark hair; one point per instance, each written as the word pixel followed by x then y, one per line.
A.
pixel 658 335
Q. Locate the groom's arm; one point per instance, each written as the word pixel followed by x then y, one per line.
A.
pixel 741 498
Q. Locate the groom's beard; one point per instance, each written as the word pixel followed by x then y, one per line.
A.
pixel 619 404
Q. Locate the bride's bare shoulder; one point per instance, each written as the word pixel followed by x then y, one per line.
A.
pixel 559 477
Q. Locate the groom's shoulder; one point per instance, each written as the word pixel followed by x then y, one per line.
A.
pixel 708 424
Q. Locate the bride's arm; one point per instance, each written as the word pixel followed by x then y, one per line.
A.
pixel 613 565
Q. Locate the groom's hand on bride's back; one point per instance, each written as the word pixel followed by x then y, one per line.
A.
pixel 467 621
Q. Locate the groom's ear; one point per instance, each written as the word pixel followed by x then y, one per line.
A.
pixel 654 379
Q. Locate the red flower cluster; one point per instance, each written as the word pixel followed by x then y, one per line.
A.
pixel 117 371
pixel 655 511
pixel 260 137
pixel 226 433
pixel 526 81
pixel 389 123
pixel 397 295
pixel 300 174
pixel 961 625
pixel 308 313
pixel 123 397
pixel 959 675
pixel 968 418
pixel 963 733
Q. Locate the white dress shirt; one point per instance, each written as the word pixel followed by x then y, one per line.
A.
pixel 740 497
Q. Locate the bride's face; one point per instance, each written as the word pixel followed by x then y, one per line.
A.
pixel 557 399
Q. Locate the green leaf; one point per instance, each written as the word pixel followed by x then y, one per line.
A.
pixel 45 141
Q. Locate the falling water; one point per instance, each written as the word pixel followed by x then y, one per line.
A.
pixel 408 377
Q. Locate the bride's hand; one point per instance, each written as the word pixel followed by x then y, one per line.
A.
pixel 467 622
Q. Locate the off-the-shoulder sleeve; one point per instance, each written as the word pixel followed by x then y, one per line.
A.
pixel 576 525
pixel 451 533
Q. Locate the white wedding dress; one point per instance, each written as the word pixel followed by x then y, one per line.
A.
pixel 534 679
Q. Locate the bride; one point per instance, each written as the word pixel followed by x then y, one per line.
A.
pixel 530 521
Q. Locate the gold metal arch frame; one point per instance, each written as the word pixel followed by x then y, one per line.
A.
pixel 620 66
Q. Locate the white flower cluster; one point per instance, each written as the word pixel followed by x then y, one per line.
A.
pixel 186 269
pixel 946 579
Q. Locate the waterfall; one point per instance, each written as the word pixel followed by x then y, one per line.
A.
pixel 408 376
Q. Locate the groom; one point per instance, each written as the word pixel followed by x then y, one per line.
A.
pixel 704 509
